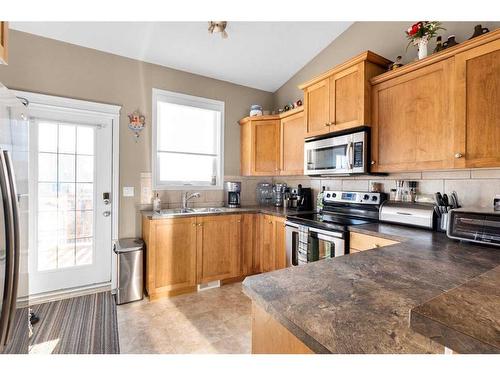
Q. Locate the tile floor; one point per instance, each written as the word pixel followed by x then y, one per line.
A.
pixel 213 321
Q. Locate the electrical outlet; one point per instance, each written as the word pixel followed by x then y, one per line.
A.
pixel 128 191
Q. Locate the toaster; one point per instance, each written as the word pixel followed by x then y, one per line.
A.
pixel 481 225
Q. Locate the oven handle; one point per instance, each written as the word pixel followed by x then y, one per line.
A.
pixel 316 230
pixel 350 155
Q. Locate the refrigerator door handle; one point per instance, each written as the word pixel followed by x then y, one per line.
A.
pixel 16 239
pixel 5 315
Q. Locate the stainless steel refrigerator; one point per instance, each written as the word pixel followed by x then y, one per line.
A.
pixel 14 174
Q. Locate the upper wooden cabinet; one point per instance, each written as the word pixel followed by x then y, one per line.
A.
pixel 272 145
pixel 4 42
pixel 218 245
pixel 340 98
pixel 413 127
pixel 292 145
pixel 440 112
pixel 478 106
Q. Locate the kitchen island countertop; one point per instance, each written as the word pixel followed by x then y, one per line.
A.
pixel 361 303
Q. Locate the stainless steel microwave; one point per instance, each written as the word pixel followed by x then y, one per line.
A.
pixel 337 153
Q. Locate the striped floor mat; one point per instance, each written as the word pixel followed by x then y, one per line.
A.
pixel 81 325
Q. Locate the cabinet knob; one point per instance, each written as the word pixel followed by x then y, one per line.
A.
pixel 194 224
pixel 459 155
pixel 373 162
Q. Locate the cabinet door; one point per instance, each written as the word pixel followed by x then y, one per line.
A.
pixel 292 145
pixel 477 106
pixel 347 98
pixel 219 255
pixel 279 243
pixel 267 253
pixel 171 255
pixel 249 244
pixel 413 127
pixel 316 101
pixel 265 147
pixel 4 39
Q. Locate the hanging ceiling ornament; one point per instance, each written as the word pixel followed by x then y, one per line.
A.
pixel 137 123
pixel 218 27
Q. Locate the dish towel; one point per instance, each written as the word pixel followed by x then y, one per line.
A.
pixel 303 239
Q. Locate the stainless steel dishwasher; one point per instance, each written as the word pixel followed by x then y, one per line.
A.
pixel 130 253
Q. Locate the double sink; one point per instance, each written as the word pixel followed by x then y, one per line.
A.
pixel 190 211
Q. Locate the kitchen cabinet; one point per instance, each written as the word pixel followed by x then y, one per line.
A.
pixel 340 98
pixel 272 145
pixel 413 127
pixel 477 106
pixel 170 256
pixel 361 242
pixel 218 247
pixel 440 112
pixel 292 145
pixel 270 337
pixel 249 244
pixel 272 243
pixel 4 42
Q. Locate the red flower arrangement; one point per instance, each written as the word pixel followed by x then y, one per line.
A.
pixel 423 30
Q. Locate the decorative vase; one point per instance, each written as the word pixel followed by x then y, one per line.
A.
pixel 422 48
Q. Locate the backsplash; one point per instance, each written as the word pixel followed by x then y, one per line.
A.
pixel 475 187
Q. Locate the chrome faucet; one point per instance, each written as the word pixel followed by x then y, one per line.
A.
pixel 187 197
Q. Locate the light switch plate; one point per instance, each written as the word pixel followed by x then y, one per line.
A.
pixel 128 191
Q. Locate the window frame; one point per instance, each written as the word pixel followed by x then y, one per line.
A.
pixel 192 101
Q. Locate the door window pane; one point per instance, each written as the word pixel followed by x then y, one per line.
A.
pixel 85 221
pixel 47 196
pixel 67 139
pixel 66 199
pixel 84 168
pixel 47 167
pixel 47 137
pixel 84 248
pixel 85 140
pixel 84 196
pixel 66 168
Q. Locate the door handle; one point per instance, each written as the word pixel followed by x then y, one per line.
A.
pixel 106 213
pixel 350 155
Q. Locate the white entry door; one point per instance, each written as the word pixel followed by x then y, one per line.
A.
pixel 71 219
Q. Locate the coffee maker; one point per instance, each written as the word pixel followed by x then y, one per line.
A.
pixel 232 194
pixel 300 199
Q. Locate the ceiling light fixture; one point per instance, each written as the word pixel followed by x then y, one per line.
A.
pixel 218 27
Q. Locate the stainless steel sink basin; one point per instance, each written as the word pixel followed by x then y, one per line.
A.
pixel 189 211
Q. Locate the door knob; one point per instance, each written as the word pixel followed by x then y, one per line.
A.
pixel 106 213
pixel 459 155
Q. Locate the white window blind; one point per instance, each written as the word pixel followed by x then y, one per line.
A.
pixel 187 142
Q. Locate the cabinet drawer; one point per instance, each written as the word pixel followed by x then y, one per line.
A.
pixel 360 242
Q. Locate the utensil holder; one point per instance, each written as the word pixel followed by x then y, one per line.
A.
pixel 443 223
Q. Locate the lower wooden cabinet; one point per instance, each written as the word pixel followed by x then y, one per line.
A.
pixel 184 252
pixel 4 42
pixel 272 243
pixel 218 247
pixel 170 256
pixel 361 242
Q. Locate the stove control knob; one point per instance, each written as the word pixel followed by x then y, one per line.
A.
pixel 334 195
pixel 328 195
pixel 374 198
pixel 366 197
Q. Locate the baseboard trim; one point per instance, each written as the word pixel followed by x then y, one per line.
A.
pixel 68 293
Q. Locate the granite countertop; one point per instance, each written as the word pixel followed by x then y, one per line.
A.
pixel 466 318
pixel 361 303
pixel 270 210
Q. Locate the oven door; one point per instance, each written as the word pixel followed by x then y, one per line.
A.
pixel 325 244
pixel 328 155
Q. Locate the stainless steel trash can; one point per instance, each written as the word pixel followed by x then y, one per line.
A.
pixel 130 269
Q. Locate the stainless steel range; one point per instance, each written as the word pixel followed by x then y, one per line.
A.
pixel 315 236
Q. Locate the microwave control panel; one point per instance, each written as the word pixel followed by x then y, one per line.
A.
pixel 358 154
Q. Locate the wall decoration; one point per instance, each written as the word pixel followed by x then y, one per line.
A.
pixel 137 123
pixel 255 110
pixel 479 30
pixel 450 42
pixel 420 33
pixel 396 64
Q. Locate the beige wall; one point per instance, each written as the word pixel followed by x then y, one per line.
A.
pixel 55 68
pixel 385 38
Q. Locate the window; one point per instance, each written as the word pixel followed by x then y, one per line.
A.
pixel 188 139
